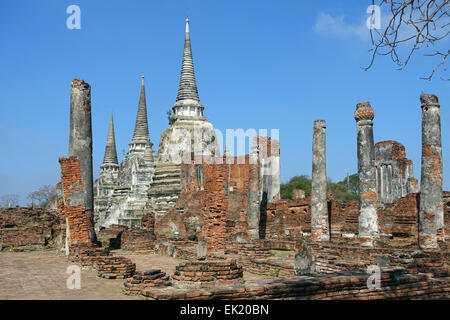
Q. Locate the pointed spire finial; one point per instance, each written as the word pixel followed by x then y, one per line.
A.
pixel 141 134
pixel 187 89
pixel 110 149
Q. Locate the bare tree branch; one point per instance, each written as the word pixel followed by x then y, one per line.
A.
pixel 413 25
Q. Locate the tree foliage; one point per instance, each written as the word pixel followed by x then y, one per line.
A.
pixel 343 190
pixel 298 182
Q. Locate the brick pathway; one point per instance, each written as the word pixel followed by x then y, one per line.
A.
pixel 42 275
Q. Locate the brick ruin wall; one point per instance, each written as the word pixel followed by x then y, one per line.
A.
pixel 214 203
pixel 446 200
pixel 28 229
pixel 398 221
pixel 394 284
pixel 286 220
pixel 122 237
pixel 81 239
pixel 291 219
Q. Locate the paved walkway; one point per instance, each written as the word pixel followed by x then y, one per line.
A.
pixel 41 275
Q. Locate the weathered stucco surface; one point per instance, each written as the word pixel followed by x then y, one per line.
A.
pixel 368 220
pixel 431 213
pixel 319 208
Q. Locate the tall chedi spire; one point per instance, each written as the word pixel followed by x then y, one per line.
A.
pixel 190 132
pixel 188 102
pixel 141 137
pixel 110 149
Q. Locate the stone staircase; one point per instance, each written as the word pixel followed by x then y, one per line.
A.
pixel 165 188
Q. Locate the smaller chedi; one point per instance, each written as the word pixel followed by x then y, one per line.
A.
pixel 120 192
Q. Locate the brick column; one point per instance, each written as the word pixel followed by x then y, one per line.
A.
pixel 431 210
pixel 319 207
pixel 368 219
pixel 79 221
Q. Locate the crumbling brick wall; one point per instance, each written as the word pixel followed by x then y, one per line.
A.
pixel 148 222
pixel 398 221
pixel 28 228
pixel 213 203
pixel 291 219
pixel 446 198
pixel 395 176
pixel 80 220
pixel 224 199
pixel 288 219
pixel 137 239
pixel 394 284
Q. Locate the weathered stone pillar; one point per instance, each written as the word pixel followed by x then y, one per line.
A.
pixel 201 249
pixel 80 142
pixel 253 197
pixel 319 208
pixel 431 211
pixel 368 219
pixel 80 137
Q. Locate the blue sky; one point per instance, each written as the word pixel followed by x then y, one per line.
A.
pixel 259 64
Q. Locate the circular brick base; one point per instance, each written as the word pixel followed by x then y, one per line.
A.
pixel 208 273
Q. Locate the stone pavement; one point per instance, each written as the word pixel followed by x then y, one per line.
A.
pixel 39 275
pixel 42 275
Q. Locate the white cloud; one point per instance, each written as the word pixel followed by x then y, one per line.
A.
pixel 326 24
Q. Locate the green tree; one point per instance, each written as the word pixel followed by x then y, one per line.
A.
pixel 353 184
pixel 298 182
pixel 345 190
pixel 340 191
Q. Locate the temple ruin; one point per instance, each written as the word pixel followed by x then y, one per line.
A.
pixel 223 214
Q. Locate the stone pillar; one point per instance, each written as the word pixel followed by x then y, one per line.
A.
pixel 319 207
pixel 368 219
pixel 201 249
pixel 80 137
pixel 431 210
pixel 253 197
pixel 80 141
